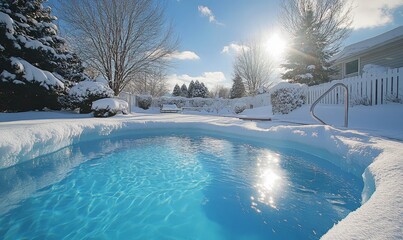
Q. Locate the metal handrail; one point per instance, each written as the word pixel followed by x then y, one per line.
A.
pixel 323 95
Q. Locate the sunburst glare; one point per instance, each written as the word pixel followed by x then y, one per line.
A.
pixel 276 45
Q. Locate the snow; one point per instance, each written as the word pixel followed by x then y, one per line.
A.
pixel 7 74
pixel 8 21
pixel 88 87
pixel 101 79
pixel 112 104
pixel 311 67
pixel 377 41
pixel 305 76
pixel 374 69
pixel 34 74
pixel 35 44
pixel 371 147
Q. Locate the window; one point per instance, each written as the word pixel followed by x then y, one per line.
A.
pixel 352 67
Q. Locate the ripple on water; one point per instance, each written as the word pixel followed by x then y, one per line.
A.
pixel 174 187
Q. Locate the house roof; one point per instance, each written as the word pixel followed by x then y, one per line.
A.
pixel 369 44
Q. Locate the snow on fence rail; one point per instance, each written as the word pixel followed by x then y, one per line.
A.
pixel 367 89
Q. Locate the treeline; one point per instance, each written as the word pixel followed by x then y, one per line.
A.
pixel 195 89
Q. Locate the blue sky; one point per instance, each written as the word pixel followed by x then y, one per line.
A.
pixel 211 30
pixel 206 27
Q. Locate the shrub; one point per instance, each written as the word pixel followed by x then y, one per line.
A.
pixel 84 93
pixel 240 108
pixel 108 107
pixel 144 101
pixel 392 98
pixel 285 100
pixel 360 101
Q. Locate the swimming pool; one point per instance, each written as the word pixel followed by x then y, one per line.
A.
pixel 182 185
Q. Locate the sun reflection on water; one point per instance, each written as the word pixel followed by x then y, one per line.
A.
pixel 270 181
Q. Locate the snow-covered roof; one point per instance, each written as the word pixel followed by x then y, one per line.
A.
pixel 369 44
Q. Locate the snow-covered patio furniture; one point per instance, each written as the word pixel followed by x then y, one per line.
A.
pixel 170 108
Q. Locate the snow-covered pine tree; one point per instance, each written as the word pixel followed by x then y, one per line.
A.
pixel 36 66
pixel 184 90
pixel 199 90
pixel 205 91
pixel 190 89
pixel 177 91
pixel 238 88
pixel 307 60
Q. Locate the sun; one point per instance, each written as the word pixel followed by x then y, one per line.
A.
pixel 276 45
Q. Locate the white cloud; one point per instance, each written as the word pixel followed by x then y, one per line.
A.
pixel 233 48
pixel 185 55
pixel 210 79
pixel 373 13
pixel 205 11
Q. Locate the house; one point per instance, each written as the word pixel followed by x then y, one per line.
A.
pixel 384 50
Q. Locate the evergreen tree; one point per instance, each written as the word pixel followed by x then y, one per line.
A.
pixel 184 90
pixel 36 65
pixel 190 89
pixel 177 91
pixel 205 91
pixel 307 61
pixel 199 90
pixel 238 88
pixel 317 29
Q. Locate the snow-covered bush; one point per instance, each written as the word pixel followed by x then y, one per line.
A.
pixel 108 107
pixel 144 101
pixel 287 98
pixel 239 108
pixel 84 93
pixel 360 101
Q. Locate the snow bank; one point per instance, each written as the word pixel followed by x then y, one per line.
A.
pixel 380 217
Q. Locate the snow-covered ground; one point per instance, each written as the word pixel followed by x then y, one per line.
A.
pixel 373 142
pixel 380 120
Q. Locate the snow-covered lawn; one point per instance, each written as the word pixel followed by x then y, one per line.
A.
pixel 374 143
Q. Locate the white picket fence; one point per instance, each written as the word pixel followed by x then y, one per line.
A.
pixel 129 98
pixel 369 89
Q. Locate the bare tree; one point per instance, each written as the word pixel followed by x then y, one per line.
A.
pixel 219 91
pixel 153 82
pixel 254 65
pixel 122 39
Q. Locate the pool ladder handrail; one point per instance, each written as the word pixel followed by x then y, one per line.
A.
pixel 346 104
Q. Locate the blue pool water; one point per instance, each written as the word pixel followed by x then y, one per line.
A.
pixel 175 186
